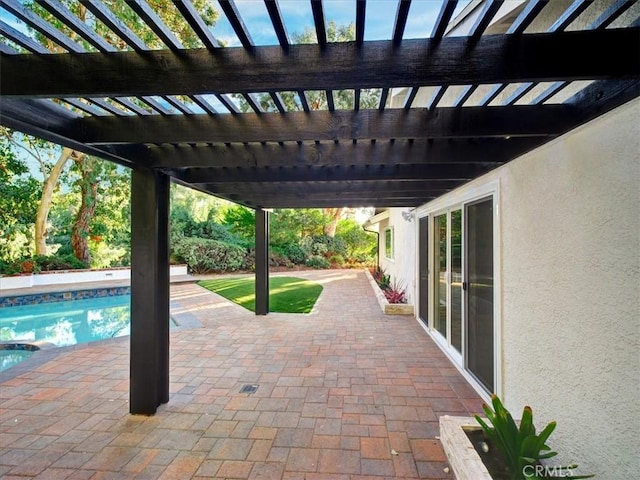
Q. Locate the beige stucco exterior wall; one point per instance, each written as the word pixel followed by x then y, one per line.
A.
pixel 570 226
pixel 569 290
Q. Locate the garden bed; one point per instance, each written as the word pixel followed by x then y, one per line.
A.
pixel 388 308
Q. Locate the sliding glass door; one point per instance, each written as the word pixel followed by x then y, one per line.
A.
pixel 440 263
pixel 448 277
pixel 423 254
pixel 479 263
pixel 461 313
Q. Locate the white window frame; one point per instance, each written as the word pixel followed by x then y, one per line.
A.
pixel 389 244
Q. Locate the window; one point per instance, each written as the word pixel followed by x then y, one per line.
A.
pixel 388 242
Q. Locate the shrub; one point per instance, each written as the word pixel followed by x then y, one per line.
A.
pixel 276 259
pixel 395 293
pixel 337 260
pixel 324 245
pixel 203 255
pixel 317 262
pixel 382 279
pixel 58 262
pixel 9 268
pixel 292 251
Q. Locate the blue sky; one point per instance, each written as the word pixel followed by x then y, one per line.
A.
pixel 379 21
pixel 379 18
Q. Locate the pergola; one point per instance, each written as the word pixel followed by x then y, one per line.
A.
pixel 500 90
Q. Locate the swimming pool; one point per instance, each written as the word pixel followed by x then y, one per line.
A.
pixel 13 353
pixel 67 322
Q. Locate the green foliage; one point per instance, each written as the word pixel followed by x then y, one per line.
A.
pixel 165 9
pixel 204 255
pixel 110 229
pixel 241 221
pixel 104 255
pixel 361 245
pixel 288 225
pixel 292 251
pixel 47 263
pixel 19 194
pixel 521 446
pixel 337 260
pixel 317 262
pixel 381 278
pixel 329 246
pixel 286 294
pixel 276 259
pixel 42 263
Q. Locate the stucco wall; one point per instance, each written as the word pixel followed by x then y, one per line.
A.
pixel 402 266
pixel 569 221
pixel 571 290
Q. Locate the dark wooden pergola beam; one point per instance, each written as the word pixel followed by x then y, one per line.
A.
pixel 563 56
pixel 409 173
pixel 327 154
pixel 330 188
pixel 448 122
pixel 341 197
pixel 47 120
pixel 320 202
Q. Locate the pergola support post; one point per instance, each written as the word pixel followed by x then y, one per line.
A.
pixel 262 262
pixel 149 369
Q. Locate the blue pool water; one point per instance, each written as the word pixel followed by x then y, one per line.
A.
pixel 66 323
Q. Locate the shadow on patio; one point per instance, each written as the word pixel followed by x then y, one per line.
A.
pixel 343 393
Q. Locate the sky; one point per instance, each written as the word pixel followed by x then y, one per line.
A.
pixel 379 18
pixel 297 15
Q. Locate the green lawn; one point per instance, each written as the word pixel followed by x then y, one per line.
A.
pixel 287 294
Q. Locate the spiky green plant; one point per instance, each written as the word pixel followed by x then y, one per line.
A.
pixel 520 445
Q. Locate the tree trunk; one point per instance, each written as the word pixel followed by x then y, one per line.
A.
pixel 45 201
pixel 82 223
pixel 334 215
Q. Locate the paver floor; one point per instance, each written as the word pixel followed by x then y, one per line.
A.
pixel 342 393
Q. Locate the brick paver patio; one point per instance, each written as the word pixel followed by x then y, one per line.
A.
pixel 343 393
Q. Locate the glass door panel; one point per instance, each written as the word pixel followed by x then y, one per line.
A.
pixel 479 307
pixel 440 277
pixel 455 280
pixel 423 249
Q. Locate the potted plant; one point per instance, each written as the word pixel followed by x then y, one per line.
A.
pixel 499 448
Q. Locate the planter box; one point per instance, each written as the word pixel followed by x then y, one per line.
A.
pixel 463 458
pixel 75 276
pixel 388 308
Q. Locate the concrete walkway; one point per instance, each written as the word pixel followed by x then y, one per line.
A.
pixel 342 393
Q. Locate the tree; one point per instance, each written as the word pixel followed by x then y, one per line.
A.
pixel 332 217
pixel 87 165
pixel 89 193
pixel 18 204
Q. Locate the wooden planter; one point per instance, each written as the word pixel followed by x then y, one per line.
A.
pixel 463 458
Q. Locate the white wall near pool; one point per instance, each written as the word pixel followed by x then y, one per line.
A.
pixel 58 278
